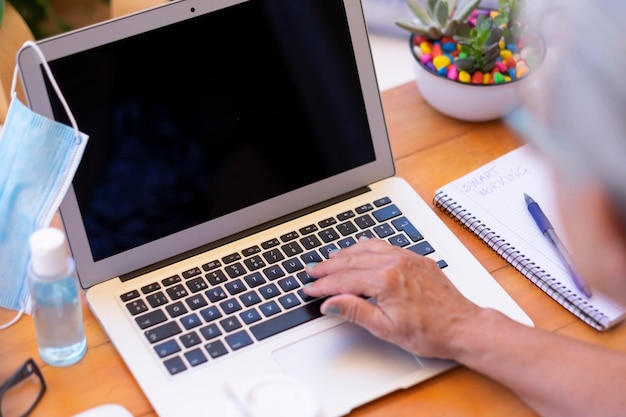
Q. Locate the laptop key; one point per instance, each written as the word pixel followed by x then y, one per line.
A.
pixel 311 257
pixel 250 316
pixel 163 331
pixel 190 339
pixel 195 357
pixel 269 291
pixel 346 228
pixel 147 289
pixel 191 272
pixel 136 307
pixel 255 262
pixel 151 319
pixel 176 309
pixel 344 243
pixel 231 323
pixel 287 237
pixel 170 280
pixel 235 270
pixel 292 265
pixel 273 256
pixel 287 320
pixel 382 201
pixel 238 340
pixel 310 242
pixel 399 240
pixel 251 251
pixel 196 301
pixel 197 284
pixel 231 258
pixel 345 215
pixel 177 291
pixel 328 235
pixel 210 313
pixel 157 299
pixel 327 222
pixel 269 309
pixel 364 208
pixel 216 277
pixel 365 221
pixel 308 229
pixel 175 365
pixel 235 287
pixel 404 225
pixel 250 298
pixel 190 321
pixel 289 301
pixel 130 295
pixel 422 248
pixel 292 249
pixel 210 332
pixel 386 213
pixel 383 230
pixel 216 349
pixel 270 243
pixel 209 266
pixel 167 348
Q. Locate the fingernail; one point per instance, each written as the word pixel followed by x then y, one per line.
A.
pixel 331 311
pixel 364 238
pixel 308 284
pixel 311 265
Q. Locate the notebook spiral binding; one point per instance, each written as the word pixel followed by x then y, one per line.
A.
pixel 542 279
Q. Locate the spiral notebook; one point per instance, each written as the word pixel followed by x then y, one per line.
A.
pixel 489 201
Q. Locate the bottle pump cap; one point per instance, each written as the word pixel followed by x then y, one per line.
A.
pixel 48 256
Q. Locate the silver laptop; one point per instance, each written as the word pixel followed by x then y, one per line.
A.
pixel 231 143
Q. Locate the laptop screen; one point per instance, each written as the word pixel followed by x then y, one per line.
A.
pixel 208 119
pixel 198 119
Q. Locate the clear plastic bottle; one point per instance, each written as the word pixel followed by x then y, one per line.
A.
pixel 56 299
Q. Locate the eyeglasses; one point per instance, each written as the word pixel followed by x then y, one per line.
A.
pixel 22 391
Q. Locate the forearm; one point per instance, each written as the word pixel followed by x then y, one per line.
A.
pixel 553 374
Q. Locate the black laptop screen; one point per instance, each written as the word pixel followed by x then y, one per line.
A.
pixel 202 118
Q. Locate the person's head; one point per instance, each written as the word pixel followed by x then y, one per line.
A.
pixel 581 105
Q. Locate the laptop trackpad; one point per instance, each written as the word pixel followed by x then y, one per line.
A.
pixel 346 366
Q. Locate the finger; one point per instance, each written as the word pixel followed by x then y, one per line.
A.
pixel 353 309
pixel 367 255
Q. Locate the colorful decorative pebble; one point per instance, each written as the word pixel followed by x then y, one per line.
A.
pixel 439 56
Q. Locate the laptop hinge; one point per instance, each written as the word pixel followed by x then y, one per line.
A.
pixel 243 234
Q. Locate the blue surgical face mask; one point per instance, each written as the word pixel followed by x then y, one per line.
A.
pixel 38 159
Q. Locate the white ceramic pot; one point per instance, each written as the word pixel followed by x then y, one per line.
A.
pixel 470 102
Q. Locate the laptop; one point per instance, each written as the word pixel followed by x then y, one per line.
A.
pixel 231 143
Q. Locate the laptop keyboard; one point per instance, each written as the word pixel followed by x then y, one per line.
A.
pixel 219 307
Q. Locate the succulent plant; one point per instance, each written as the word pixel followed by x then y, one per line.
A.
pixel 479 44
pixel 437 18
pixel 510 18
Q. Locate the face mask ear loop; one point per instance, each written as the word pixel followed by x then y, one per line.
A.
pixel 15 319
pixel 69 113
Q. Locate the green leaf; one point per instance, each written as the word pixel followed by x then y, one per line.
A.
pixel 464 10
pixel 442 13
pixel 419 11
pixel 1 12
pixel 413 27
pixel 432 6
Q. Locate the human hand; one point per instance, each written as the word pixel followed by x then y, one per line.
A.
pixel 416 306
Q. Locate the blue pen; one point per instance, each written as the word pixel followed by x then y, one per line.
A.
pixel 548 231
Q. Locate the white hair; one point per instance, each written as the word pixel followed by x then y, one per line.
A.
pixel 581 96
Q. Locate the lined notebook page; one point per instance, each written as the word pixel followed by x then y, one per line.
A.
pixel 494 196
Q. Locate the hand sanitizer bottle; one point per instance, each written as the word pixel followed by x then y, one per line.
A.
pixel 56 299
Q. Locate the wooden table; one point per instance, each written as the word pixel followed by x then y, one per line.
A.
pixel 430 150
